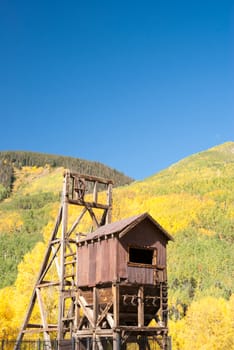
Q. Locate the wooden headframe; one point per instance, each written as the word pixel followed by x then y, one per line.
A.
pixel 58 269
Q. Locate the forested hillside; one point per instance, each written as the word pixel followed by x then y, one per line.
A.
pixel 192 199
pixel 16 160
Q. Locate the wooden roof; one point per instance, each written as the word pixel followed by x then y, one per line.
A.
pixel 123 226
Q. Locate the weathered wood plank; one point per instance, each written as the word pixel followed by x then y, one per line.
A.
pixel 140 309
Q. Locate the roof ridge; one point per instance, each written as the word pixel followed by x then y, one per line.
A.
pixel 123 227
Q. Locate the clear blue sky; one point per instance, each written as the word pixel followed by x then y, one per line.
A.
pixel 136 85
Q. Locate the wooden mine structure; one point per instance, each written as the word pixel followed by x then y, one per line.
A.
pixel 110 283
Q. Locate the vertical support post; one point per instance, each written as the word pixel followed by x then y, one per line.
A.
pixel 95 193
pixel 165 342
pixel 94 342
pixel 95 306
pixel 73 343
pixel 140 309
pixel 62 256
pixel 161 303
pixel 115 296
pixel 77 313
pixel 164 304
pixel 109 203
pixel 116 341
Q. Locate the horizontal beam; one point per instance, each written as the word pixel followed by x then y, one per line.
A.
pixel 89 333
pixel 145 330
pixel 89 177
pixel 48 284
pixel 37 325
pixel 88 204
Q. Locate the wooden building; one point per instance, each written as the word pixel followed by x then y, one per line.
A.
pixel 122 285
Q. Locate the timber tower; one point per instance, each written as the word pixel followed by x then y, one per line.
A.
pixel 110 279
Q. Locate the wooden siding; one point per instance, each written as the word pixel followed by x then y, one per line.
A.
pixel 106 260
pixel 96 262
pixel 144 235
pixel 141 275
pixel 148 236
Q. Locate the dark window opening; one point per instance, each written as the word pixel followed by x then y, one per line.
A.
pixel 141 256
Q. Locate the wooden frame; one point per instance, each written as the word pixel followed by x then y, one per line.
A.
pixel 61 255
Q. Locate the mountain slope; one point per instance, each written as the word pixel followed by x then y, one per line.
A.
pixel 10 161
pixel 177 196
pixel 192 199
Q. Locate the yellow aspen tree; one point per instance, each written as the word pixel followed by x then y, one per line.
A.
pixel 7 314
pixel 209 325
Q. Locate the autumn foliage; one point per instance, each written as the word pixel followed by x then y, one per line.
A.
pixel 193 200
